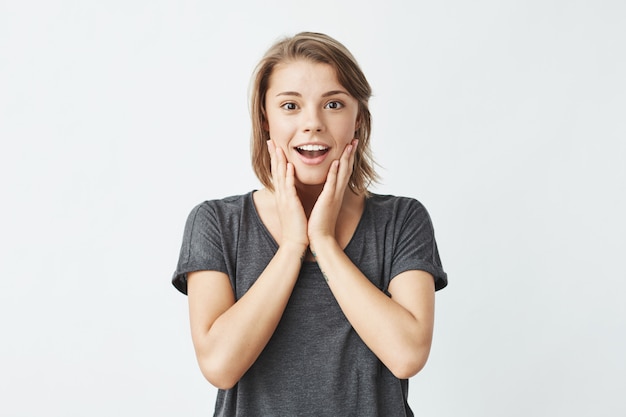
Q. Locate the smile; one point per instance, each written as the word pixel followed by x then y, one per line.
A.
pixel 312 150
pixel 312 154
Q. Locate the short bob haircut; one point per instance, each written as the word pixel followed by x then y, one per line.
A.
pixel 318 48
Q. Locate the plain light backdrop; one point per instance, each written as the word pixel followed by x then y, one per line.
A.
pixel 507 119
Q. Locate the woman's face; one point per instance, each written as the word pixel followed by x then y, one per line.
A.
pixel 310 116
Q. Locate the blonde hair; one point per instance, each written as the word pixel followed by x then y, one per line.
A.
pixel 319 48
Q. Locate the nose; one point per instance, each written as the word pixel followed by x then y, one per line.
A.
pixel 313 121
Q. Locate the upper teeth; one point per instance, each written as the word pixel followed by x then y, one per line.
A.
pixel 312 148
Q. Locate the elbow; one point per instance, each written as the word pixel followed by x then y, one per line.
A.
pixel 407 370
pixel 221 383
pixel 407 366
pixel 218 375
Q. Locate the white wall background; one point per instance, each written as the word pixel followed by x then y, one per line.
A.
pixel 507 119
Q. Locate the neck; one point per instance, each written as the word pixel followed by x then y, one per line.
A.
pixel 308 195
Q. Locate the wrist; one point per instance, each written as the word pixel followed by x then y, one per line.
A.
pixel 294 249
pixel 322 243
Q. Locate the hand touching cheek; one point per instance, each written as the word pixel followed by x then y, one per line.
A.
pixel 323 219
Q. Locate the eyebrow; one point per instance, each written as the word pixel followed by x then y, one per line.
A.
pixel 327 94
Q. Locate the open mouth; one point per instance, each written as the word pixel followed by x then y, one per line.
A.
pixel 312 151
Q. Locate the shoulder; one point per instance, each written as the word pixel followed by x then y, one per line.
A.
pixel 232 203
pixel 396 205
pixel 219 211
pixel 399 214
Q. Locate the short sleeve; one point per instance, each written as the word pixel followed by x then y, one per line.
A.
pixel 415 245
pixel 201 248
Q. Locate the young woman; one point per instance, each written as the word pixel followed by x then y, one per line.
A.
pixel 310 296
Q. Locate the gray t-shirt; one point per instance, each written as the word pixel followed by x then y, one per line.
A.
pixel 315 364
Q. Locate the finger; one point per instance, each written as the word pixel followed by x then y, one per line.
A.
pixel 330 185
pixel 271 149
pixel 290 177
pixel 355 143
pixel 274 167
pixel 281 159
pixel 352 156
pixel 281 166
pixel 345 166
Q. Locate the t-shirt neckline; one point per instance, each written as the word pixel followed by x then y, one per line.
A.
pixel 267 233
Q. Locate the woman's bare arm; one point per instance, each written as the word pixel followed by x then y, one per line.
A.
pixel 228 336
pixel 398 329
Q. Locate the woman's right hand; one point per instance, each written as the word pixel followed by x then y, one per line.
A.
pixel 293 221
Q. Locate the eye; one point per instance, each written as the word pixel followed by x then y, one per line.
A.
pixel 289 106
pixel 334 105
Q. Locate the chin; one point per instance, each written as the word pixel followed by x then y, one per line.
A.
pixel 311 176
pixel 310 180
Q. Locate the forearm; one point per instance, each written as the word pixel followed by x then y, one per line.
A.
pixel 237 337
pixel 396 336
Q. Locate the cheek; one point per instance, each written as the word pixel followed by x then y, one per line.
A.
pixel 347 130
pixel 276 134
pixel 280 134
pixel 352 124
pixel 273 123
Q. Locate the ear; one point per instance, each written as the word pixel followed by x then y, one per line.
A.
pixel 265 124
pixel 357 123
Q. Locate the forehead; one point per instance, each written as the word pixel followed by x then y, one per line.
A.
pixel 303 74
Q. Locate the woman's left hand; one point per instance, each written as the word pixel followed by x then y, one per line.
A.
pixel 324 215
